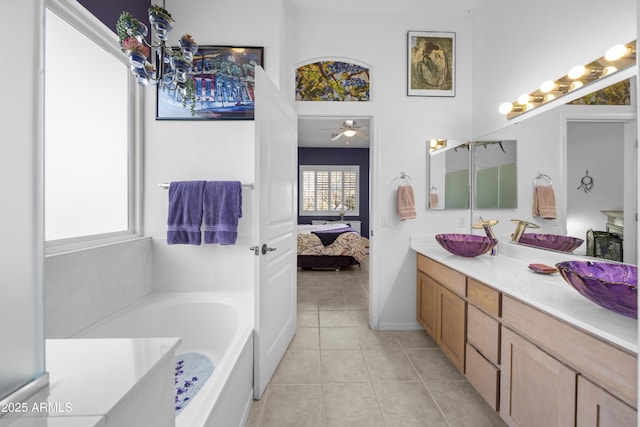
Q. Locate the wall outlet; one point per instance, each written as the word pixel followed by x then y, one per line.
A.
pixel 461 221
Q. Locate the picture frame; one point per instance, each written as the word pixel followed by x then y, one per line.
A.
pixel 224 82
pixel 431 63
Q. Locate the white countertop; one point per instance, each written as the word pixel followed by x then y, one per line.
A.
pixel 87 378
pixel 508 272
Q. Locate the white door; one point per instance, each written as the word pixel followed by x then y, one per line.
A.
pixel 276 217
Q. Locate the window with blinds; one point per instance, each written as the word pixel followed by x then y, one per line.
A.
pixel 329 190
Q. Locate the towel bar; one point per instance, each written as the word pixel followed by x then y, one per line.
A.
pixel 165 185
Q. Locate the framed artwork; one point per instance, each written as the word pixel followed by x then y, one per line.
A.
pixel 332 81
pixel 223 80
pixel 431 64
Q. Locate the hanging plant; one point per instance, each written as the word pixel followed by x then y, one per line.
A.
pixel 126 22
pixel 156 10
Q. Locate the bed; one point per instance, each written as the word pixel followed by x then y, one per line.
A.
pixel 330 246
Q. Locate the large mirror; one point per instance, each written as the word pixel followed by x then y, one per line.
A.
pixel 586 155
pixel 496 177
pixel 449 178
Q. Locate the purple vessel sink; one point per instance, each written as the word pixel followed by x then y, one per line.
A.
pixel 551 241
pixel 612 286
pixel 467 245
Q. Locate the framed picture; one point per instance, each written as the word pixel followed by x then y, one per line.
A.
pixel 223 80
pixel 431 64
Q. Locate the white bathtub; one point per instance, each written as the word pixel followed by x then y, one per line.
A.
pixel 218 325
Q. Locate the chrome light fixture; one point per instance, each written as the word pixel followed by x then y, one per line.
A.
pixel 615 59
pixel 155 63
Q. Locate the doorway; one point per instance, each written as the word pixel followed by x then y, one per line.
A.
pixel 602 180
pixel 340 141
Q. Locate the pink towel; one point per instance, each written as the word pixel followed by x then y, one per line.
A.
pixel 406 202
pixel 544 202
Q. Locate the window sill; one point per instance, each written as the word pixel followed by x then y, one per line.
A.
pixel 93 244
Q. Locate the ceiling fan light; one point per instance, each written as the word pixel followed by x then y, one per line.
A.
pixel 349 133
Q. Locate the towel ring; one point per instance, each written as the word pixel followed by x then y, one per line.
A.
pixel 403 177
pixel 542 176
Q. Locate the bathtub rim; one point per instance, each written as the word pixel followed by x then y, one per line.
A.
pixel 201 407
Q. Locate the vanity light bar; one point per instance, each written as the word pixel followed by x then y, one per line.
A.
pixel 615 59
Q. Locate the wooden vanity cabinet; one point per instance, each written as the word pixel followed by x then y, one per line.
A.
pixel 441 307
pixel 532 367
pixel 550 370
pixel 536 389
pixel 598 408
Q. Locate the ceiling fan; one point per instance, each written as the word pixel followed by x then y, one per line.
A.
pixel 349 129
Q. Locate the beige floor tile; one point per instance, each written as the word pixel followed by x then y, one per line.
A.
pixel 306 339
pixel 330 291
pixel 350 405
pixel 389 365
pixel 357 302
pixel 360 318
pixel 338 338
pixel 343 366
pixel 408 404
pixel 370 339
pixel 335 318
pixel 433 365
pixel 307 299
pixel 298 367
pixel 332 303
pixel 415 339
pixel 256 412
pixel 308 319
pixel 292 406
pixel 463 406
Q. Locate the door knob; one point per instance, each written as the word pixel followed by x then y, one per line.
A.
pixel 266 249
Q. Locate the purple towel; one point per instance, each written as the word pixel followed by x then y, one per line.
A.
pixel 222 208
pixel 185 212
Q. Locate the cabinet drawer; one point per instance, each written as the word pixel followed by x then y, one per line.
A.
pixel 483 376
pixel 485 297
pixel 484 333
pixel 455 281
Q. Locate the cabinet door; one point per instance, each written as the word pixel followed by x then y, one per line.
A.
pixel 535 389
pixel 597 408
pixel 427 303
pixel 451 326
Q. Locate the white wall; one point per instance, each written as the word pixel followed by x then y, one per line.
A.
pixel 598 148
pixel 518 45
pixel 207 150
pixel 85 286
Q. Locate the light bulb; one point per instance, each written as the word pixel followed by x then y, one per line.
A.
pixel 349 133
pixel 505 108
pixel 577 72
pixel 523 99
pixel 608 70
pixel 576 85
pixel 549 97
pixel 615 52
pixel 547 86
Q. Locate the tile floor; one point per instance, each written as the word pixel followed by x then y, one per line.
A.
pixel 338 372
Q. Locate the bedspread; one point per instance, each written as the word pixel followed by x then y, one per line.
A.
pixel 347 244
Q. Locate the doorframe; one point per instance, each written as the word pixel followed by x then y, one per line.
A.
pixel 373 117
pixel 625 115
